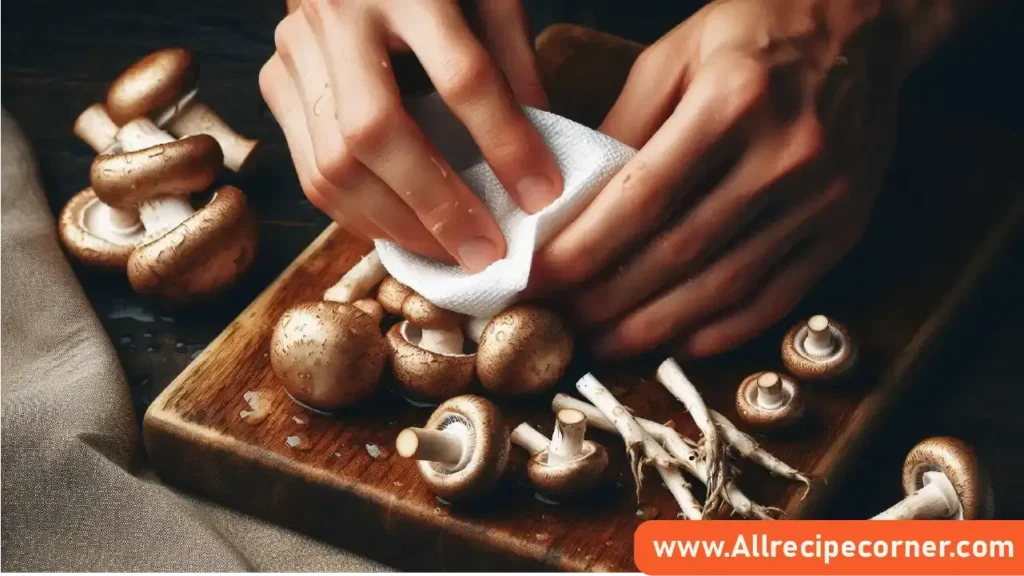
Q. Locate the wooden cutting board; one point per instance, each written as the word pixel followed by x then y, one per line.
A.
pixel 950 205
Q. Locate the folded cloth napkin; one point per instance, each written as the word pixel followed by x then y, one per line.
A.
pixel 76 495
pixel 587 160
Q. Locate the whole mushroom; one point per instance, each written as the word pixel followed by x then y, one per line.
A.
pixel 328 355
pixel 769 400
pixel 567 467
pixel 523 351
pixel 392 294
pixel 462 450
pixel 943 480
pixel 163 86
pixel 427 352
pixel 185 253
pixel 820 349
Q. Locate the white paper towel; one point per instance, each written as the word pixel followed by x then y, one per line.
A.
pixel 587 160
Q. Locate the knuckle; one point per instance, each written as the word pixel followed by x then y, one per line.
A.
pixel 744 82
pixel 467 79
pixel 284 35
pixel 679 250
pixel 314 10
pixel 335 165
pixel 371 130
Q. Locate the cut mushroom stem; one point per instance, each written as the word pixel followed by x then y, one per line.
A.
pixel 359 281
pixel 528 438
pixel 819 336
pixel 671 376
pixel 936 500
pixel 641 447
pixel 190 117
pixel 162 212
pixel 446 446
pixel 676 445
pixel 567 439
pixel 769 390
pixel 749 449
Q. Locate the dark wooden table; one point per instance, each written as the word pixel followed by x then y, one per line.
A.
pixel 61 56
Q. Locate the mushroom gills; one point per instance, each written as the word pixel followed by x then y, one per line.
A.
pixel 158 214
pixel 111 224
pixel 935 500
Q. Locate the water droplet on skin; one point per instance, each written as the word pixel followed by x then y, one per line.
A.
pixel 444 173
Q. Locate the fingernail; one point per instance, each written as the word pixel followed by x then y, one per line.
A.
pixel 477 253
pixel 535 193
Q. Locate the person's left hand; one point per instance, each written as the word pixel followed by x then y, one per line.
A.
pixel 762 128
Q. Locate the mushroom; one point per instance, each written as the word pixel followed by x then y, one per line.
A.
pixel 943 480
pixel 462 450
pixel 768 400
pixel 524 350
pixel 821 349
pixel 474 327
pixel 392 294
pixel 567 467
pixel 202 255
pixel 96 234
pixel 95 127
pixel 371 307
pixel 359 281
pixel 156 173
pixel 328 355
pixel 162 85
pixel 427 357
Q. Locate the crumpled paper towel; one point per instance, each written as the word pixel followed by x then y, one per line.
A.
pixel 587 160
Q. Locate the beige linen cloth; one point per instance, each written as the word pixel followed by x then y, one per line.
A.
pixel 73 499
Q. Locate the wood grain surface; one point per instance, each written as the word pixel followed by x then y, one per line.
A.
pixel 898 291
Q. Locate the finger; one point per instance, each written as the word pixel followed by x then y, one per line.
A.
pixel 767 171
pixel 506 35
pixel 283 100
pixel 728 281
pixel 346 186
pixel 475 91
pixel 777 299
pixel 665 171
pixel 652 90
pixel 384 138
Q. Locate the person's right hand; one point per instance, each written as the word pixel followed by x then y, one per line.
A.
pixel 359 155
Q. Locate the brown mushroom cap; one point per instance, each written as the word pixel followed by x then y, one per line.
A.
pixel 524 350
pixel 77 229
pixel 153 83
pixel 392 294
pixel 371 307
pixel 200 256
pixel 751 411
pixel 328 355
pixel 421 312
pixel 185 166
pixel 960 464
pixel 572 479
pixel 491 447
pixel 423 375
pixel 805 366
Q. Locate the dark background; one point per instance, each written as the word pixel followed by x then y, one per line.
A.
pixel 59 57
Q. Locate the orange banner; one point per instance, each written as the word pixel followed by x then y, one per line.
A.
pixel 899 547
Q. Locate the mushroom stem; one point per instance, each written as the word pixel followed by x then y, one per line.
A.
pixel 639 443
pixel 676 444
pixel 188 117
pixel 444 446
pixel 441 341
pixel 359 281
pixel 769 390
pixel 749 449
pixel 95 127
pixel 157 213
pixel 671 375
pixel 819 337
pixel 474 328
pixel 935 500
pixel 528 438
pixel 567 439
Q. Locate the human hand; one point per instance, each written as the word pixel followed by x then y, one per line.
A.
pixel 359 155
pixel 763 131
